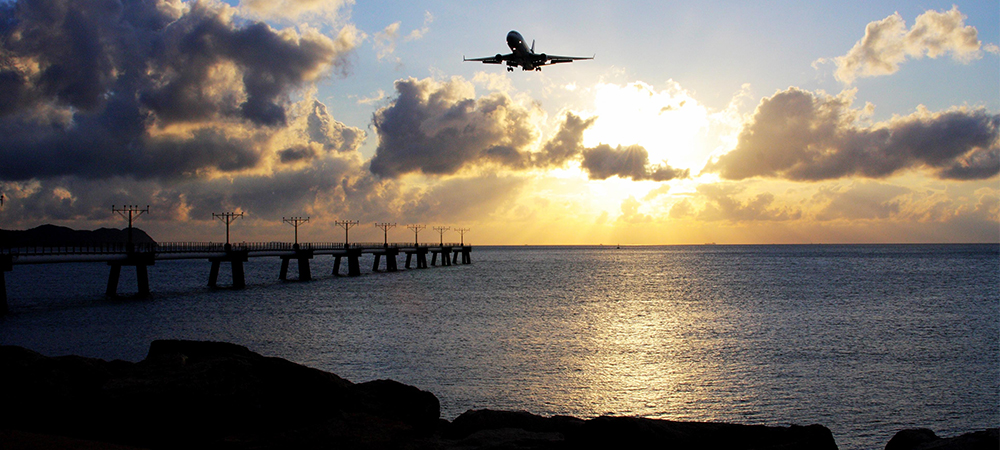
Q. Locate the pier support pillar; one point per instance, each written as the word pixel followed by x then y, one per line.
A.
pixel 466 254
pixel 141 261
pixel 6 265
pixel 302 257
pixel 390 259
pixel 353 256
pixel 421 253
pixel 235 258
pixel 353 263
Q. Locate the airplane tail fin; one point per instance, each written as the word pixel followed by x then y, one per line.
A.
pixel 532 46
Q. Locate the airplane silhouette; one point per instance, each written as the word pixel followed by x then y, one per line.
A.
pixel 523 56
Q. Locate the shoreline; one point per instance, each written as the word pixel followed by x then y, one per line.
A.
pixel 197 394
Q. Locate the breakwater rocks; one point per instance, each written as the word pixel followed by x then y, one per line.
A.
pixel 188 394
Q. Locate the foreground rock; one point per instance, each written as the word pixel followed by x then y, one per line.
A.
pixel 215 395
pixel 924 439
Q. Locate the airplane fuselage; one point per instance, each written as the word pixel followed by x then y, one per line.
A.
pixel 524 56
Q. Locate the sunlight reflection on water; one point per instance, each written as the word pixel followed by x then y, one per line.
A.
pixel 866 340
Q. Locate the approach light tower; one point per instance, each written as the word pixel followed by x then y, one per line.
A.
pixel 416 233
pixel 133 212
pixel 461 232
pixel 346 225
pixel 295 222
pixel 228 218
pixel 385 231
pixel 441 231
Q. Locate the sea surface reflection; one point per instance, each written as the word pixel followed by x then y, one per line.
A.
pixel 866 340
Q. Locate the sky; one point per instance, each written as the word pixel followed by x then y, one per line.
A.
pixel 716 121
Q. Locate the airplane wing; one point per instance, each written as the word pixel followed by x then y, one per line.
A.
pixel 496 59
pixel 556 59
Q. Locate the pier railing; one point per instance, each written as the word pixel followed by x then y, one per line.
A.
pixel 198 247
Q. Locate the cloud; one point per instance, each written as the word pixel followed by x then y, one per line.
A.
pixel 293 10
pixel 887 44
pixel 864 200
pixel 155 89
pixel 798 135
pixel 602 162
pixel 422 31
pixel 630 212
pixel 722 203
pixel 385 40
pixel 437 128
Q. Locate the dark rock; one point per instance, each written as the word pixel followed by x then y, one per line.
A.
pixel 189 394
pixel 206 394
pixel 910 439
pixel 630 432
pixel 473 421
pixel 924 439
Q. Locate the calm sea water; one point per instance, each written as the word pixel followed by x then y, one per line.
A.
pixel 866 339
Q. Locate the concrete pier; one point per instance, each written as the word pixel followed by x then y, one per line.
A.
pixel 6 265
pixel 141 261
pixel 353 256
pixel 117 255
pixel 445 253
pixel 390 259
pixel 236 258
pixel 302 257
pixel 421 253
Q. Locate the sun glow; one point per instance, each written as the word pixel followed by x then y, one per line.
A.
pixel 669 124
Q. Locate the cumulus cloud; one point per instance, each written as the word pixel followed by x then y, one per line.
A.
pixel 864 200
pixel 887 44
pixel 630 212
pixel 100 88
pixel 440 128
pixel 723 202
pixel 803 136
pixel 602 162
pixel 295 9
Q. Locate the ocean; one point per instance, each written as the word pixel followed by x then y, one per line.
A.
pixel 864 339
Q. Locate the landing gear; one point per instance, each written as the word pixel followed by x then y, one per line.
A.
pixel 510 69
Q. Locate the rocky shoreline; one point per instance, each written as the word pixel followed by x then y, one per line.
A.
pixel 191 394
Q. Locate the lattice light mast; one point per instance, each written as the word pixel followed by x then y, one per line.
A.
pixel 461 232
pixel 346 225
pixel 228 218
pixel 441 231
pixel 130 212
pixel 385 226
pixel 416 233
pixel 295 222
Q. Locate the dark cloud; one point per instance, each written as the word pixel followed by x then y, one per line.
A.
pixel 297 153
pixel 567 143
pixel 438 128
pixel 603 162
pixel 103 88
pixel 801 136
